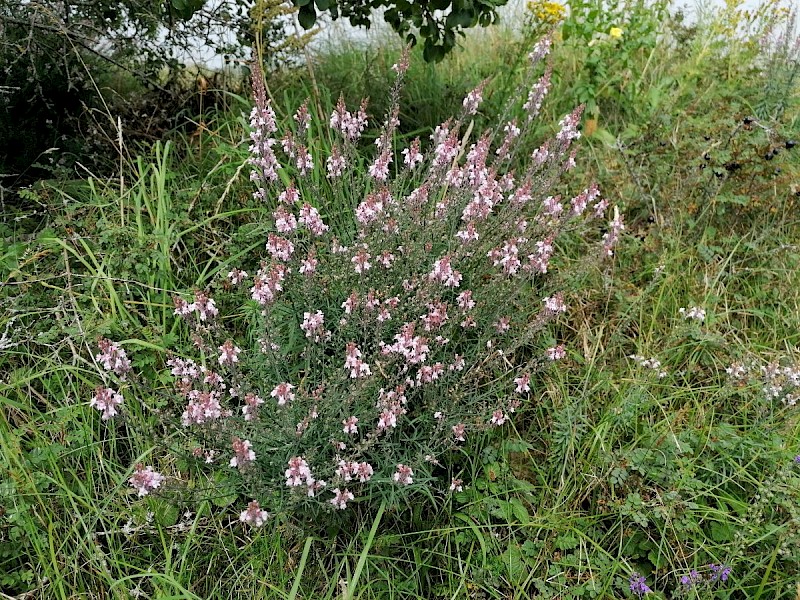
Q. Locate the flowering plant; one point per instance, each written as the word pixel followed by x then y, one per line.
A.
pixel 383 330
pixel 611 39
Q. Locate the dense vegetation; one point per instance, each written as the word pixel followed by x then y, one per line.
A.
pixel 659 456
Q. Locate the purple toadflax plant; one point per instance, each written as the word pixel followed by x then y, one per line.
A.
pixel 396 310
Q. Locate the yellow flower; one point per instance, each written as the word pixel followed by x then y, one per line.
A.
pixel 546 12
pixel 615 32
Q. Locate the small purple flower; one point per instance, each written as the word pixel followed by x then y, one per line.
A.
pixel 797 459
pixel 638 585
pixel 690 580
pixel 719 572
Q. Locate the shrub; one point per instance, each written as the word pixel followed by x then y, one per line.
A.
pixel 392 319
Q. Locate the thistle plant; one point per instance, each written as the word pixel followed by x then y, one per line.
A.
pixel 386 333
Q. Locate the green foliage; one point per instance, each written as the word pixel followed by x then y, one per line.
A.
pixel 411 20
pixel 77 72
pixel 610 43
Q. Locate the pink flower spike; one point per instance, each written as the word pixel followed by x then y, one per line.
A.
pixel 243 453
pixel 204 306
pixel 350 425
pixel 283 393
pixel 498 418
pixel 444 273
pixel 113 358
pixel 555 304
pixel 236 276
pixel 314 325
pixel 341 498
pixel 411 155
pixel 107 401
pixel 523 384
pixel 250 408
pixel 556 352
pixel 254 515
pixel 228 353
pixel 403 475
pixel 145 480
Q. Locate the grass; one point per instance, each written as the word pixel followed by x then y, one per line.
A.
pixel 611 471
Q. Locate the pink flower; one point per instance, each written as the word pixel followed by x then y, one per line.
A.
pixel 436 317
pixel 145 480
pixel 283 393
pixel 254 515
pixel 243 454
pixel 310 217
pixel 349 125
pixel 456 485
pixel 203 407
pixel 459 431
pixel 386 259
pixel 536 94
pixel 298 472
pixel 185 369
pixel 289 196
pixel 430 373
pixel 229 354
pixel 555 304
pixel 444 273
pixel 204 306
pixel 387 420
pixel 341 497
pixel 470 234
pixel 523 383
pixel 350 425
pixel 411 155
pixel 302 116
pixel 556 353
pixel 107 401
pixel 616 227
pixel 250 408
pixel 313 325
pixel 512 132
pixel 363 471
pixel 465 301
pixel 350 304
pixel 569 127
pixel 473 99
pixel 361 261
pixel 285 222
pixel 268 284
pixel 305 162
pixel 502 325
pixel 498 418
pixel 458 363
pixel 336 163
pixel 358 368
pixel 540 260
pixel 182 308
pixel 309 265
pixel 113 358
pixel 507 255
pixel 552 206
pixel 279 248
pixel 413 347
pixel 236 276
pixel 403 475
pixel 380 168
